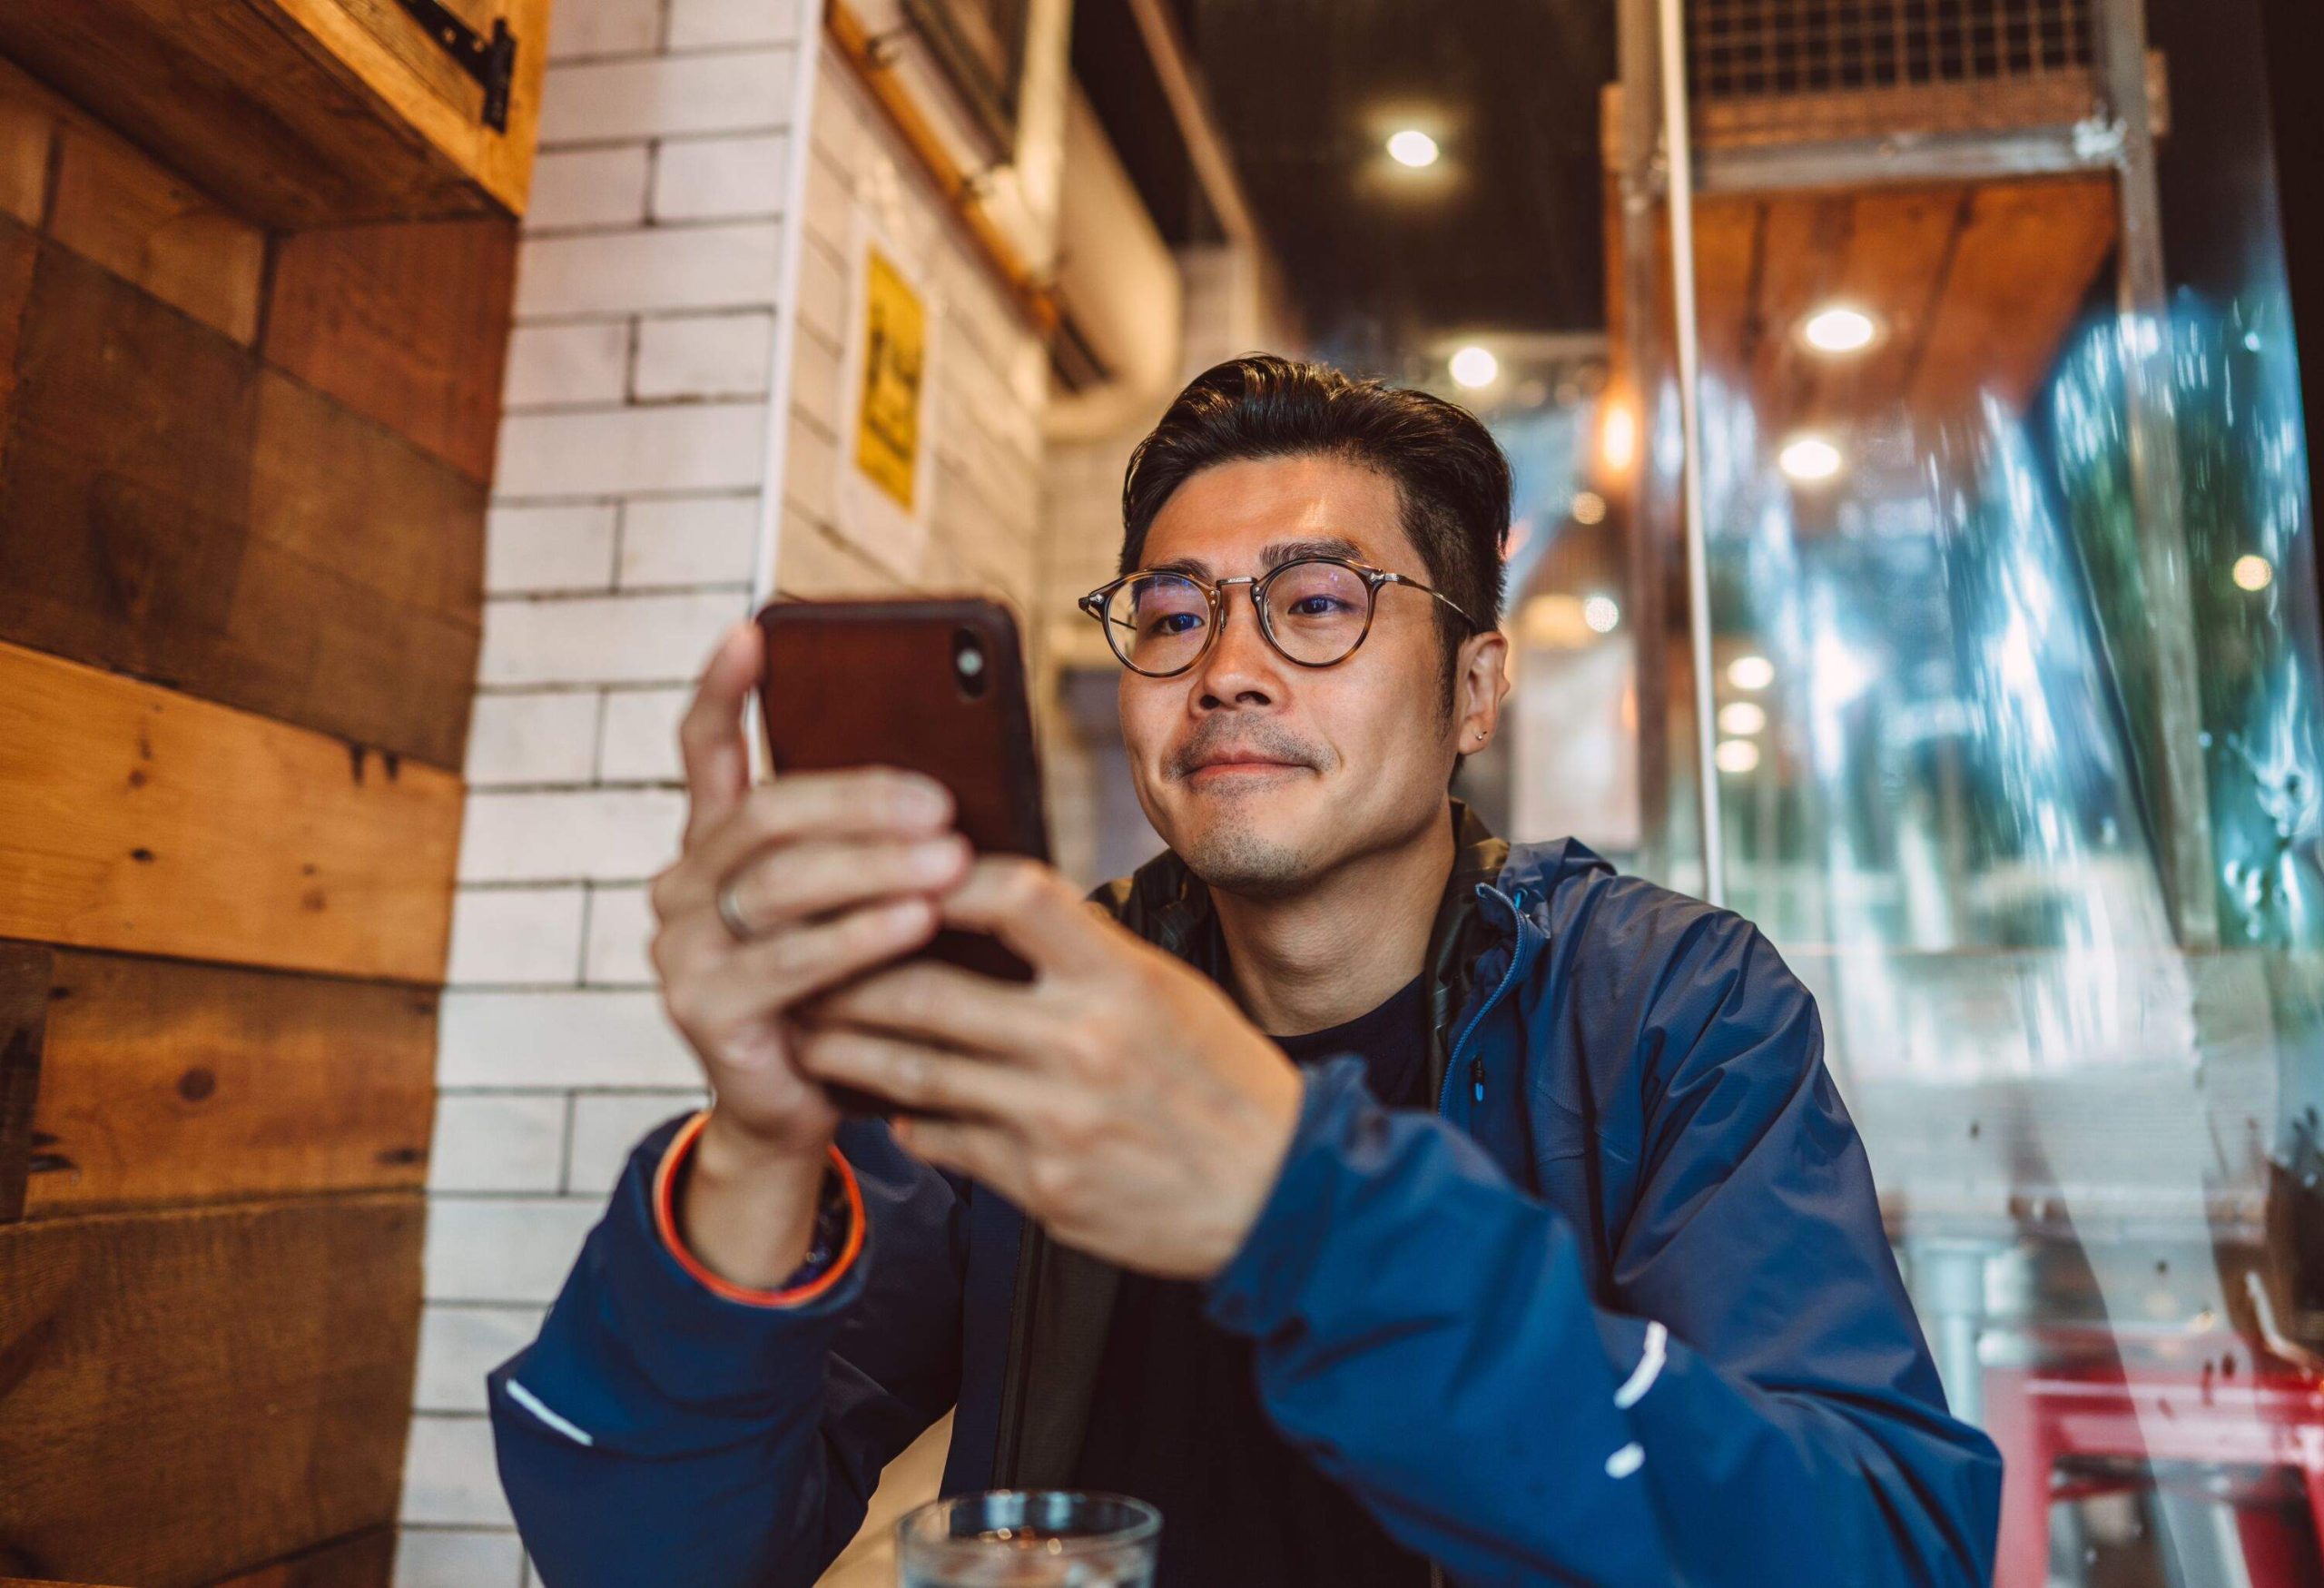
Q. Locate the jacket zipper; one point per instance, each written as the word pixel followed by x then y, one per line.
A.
pixel 1477 1085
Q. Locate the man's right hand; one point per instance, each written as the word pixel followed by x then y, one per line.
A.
pixel 835 873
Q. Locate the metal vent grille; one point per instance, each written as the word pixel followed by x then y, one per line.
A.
pixel 1750 49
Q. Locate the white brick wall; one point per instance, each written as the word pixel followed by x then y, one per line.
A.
pixel 629 525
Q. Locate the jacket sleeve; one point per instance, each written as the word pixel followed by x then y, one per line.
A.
pixel 1750 1402
pixel 656 1432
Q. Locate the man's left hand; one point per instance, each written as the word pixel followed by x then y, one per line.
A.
pixel 1119 1097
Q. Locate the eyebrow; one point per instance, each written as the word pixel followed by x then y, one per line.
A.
pixel 1272 555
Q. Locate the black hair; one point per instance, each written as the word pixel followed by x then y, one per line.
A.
pixel 1452 478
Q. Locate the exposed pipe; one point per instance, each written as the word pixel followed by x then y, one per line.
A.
pixel 1679 157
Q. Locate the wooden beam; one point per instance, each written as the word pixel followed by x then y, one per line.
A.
pixel 137 819
pixel 174 510
pixel 187 1396
pixel 24 974
pixel 163 1082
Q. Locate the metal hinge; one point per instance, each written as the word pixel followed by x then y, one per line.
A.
pixel 492 62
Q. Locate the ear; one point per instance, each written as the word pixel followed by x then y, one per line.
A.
pixel 1478 689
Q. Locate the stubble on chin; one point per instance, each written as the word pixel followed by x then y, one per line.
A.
pixel 1232 857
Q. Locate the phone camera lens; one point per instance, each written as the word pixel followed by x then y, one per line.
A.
pixel 967 663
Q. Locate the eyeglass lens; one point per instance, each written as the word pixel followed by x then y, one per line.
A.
pixel 1315 614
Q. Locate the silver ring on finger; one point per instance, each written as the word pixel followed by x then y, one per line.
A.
pixel 729 910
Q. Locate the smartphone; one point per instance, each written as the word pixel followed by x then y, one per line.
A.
pixel 934 684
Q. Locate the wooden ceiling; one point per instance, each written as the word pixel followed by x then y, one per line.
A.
pixel 1975 285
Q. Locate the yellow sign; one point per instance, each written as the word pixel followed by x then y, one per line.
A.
pixel 895 345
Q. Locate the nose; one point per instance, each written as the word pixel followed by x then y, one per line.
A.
pixel 1239 669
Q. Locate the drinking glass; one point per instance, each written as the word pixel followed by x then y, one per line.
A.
pixel 1028 1538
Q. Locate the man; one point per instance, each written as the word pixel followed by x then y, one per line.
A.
pixel 1404 1206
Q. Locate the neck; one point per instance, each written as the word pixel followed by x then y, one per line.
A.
pixel 1341 947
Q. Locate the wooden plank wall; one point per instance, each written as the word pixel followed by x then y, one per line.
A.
pixel 242 479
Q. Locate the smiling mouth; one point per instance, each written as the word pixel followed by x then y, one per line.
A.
pixel 1219 769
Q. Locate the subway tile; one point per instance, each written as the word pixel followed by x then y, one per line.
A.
pixel 459 1345
pixel 607 1125
pixel 561 1038
pixel 502 1248
pixel 721 179
pixel 496 1143
pixel 549 365
pixel 703 446
pixel 697 24
pixel 546 737
pixel 588 187
pixel 810 467
pixel 511 936
pixel 569 835
pixel 641 742
pixel 464 1557
pixel 644 271
pixel 601 27
pixel 448 1475
pixel 548 549
pixel 621 926
pixel 703 355
pixel 688 540
pixel 648 637
pixel 660 96
pixel 822 290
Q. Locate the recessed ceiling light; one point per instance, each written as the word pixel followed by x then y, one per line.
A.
pixel 1736 755
pixel 2253 572
pixel 1838 329
pixel 1618 438
pixel 1474 366
pixel 1809 459
pixel 1742 718
pixel 1412 147
pixel 1752 673
pixel 1601 614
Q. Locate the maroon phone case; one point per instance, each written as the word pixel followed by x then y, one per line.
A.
pixel 877 683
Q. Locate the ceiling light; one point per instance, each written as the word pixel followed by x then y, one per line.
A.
pixel 1736 755
pixel 1474 367
pixel 1742 718
pixel 1589 508
pixel 1838 329
pixel 1618 438
pixel 1601 614
pixel 1412 147
pixel 1809 459
pixel 2253 572
pixel 1753 673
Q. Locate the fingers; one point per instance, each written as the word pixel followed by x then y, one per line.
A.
pixel 921 1078
pixel 982 1152
pixel 938 1003
pixel 1033 910
pixel 877 803
pixel 711 737
pixel 768 975
pixel 813 877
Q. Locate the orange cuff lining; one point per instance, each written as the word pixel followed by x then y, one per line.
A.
pixel 666 1223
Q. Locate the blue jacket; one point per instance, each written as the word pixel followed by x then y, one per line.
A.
pixel 1621 1311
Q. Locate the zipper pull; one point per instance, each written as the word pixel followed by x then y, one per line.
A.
pixel 1477 1077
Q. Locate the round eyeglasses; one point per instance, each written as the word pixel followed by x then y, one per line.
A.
pixel 1314 611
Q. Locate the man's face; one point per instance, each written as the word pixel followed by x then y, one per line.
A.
pixel 1262 775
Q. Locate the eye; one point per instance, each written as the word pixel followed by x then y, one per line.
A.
pixel 1319 606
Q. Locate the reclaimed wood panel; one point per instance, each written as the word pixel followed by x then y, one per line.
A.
pixel 184 1396
pixel 364 1561
pixel 295 113
pixel 140 820
pixel 115 207
pixel 172 510
pixel 24 972
pixel 168 1082
pixel 408 325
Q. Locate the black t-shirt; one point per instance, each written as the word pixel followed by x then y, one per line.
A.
pixel 1175 1419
